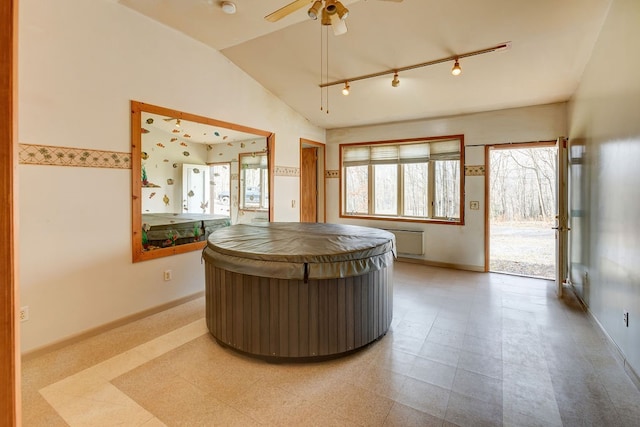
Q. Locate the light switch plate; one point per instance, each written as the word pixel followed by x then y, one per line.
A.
pixel 475 205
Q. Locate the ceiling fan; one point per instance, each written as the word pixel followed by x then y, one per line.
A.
pixel 331 12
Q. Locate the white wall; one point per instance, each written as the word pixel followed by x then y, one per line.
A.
pixel 460 246
pixel 605 143
pixel 81 62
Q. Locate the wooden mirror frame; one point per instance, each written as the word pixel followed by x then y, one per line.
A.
pixel 137 108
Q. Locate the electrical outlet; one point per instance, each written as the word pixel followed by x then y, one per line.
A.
pixel 24 313
pixel 167 275
pixel 625 318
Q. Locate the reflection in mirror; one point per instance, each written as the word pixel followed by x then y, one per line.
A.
pixel 186 180
pixel 254 178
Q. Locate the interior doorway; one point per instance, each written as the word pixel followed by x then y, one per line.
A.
pixel 312 185
pixel 522 209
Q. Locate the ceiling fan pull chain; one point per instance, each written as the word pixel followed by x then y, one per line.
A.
pixel 326 32
pixel 321 76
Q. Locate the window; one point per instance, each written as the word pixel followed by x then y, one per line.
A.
pixel 415 180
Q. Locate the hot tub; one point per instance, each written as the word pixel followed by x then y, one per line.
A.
pixel 298 290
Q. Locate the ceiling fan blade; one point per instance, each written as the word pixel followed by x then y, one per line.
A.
pixel 286 10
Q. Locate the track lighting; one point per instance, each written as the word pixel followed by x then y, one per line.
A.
pixel 346 88
pixel 396 81
pixel 177 123
pixel 456 70
pixel 314 11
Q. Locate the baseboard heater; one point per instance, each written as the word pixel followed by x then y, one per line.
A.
pixel 409 242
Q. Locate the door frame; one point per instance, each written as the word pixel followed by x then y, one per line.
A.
pixel 487 186
pixel 321 166
pixel 10 407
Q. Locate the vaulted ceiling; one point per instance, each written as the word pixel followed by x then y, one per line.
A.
pixel 551 42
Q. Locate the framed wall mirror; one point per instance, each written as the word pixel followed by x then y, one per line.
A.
pixel 187 179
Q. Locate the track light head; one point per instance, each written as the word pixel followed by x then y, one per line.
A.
pixel 314 11
pixel 396 81
pixel 456 70
pixel 346 89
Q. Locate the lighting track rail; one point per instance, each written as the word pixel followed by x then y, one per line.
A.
pixel 394 71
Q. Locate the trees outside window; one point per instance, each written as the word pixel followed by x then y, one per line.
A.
pixel 417 180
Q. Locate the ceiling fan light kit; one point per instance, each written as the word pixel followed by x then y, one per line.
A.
pixel 314 10
pixel 326 18
pixel 330 6
pixel 331 9
pixel 339 26
pixel 342 11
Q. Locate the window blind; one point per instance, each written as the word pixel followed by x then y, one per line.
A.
pixel 259 161
pixel 380 154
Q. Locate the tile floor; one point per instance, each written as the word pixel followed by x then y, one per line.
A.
pixel 465 349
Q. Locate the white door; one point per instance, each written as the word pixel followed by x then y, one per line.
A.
pixel 562 218
pixel 195 189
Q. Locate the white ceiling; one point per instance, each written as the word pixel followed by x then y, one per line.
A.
pixel 551 41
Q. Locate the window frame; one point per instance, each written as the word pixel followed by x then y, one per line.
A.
pixel 370 215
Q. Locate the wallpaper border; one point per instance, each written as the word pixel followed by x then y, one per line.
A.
pixel 474 170
pixel 286 171
pixel 35 154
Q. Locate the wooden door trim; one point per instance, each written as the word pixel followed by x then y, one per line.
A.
pixel 10 413
pixel 304 142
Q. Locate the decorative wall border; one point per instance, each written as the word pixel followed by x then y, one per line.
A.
pixel 332 174
pixel 474 170
pixel 32 154
pixel 286 171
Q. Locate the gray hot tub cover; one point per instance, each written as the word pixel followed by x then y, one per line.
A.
pixel 300 250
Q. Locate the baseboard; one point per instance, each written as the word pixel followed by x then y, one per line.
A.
pixel 56 345
pixel 442 264
pixel 617 351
